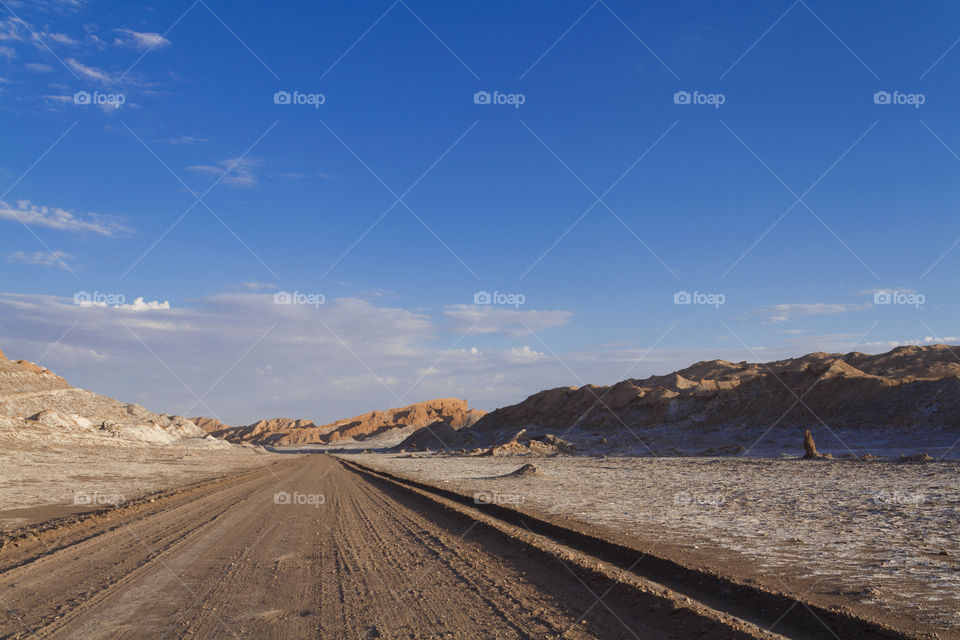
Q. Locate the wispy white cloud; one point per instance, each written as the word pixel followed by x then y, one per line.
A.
pixel 870 292
pixel 56 218
pixel 74 5
pixel 238 172
pixel 785 312
pixel 296 175
pixel 59 38
pixel 43 258
pixel 59 99
pixel 50 5
pixel 13 30
pixel 181 140
pixel 524 354
pixel 91 73
pixel 137 305
pixel 141 40
pixel 258 286
pixel 343 358
pixel 38 67
pixel 926 340
pixel 481 319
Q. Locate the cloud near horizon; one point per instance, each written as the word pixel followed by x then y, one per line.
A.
pixel 480 319
pixel 340 358
pixel 241 357
pixel 785 312
pixel 137 305
pixel 258 286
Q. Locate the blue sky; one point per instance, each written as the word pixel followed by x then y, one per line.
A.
pixel 597 199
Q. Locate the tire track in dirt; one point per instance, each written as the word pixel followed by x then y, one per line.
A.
pixel 450 548
pixel 125 552
pixel 711 594
pixel 226 560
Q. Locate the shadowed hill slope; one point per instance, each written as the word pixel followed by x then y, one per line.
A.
pixel 909 389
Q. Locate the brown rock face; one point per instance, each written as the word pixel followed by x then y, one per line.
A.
pixel 906 388
pixel 2 357
pixel 809 446
pixel 210 425
pixel 452 412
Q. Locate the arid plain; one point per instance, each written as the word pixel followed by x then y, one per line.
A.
pixel 646 509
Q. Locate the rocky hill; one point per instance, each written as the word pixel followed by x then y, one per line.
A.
pixel 36 404
pixel 261 432
pixel 209 425
pixel 725 407
pixel 452 412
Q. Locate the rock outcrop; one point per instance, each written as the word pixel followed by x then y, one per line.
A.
pixel 271 431
pixel 809 446
pixel 526 471
pixel 452 412
pixel 524 444
pixel 210 425
pixel 37 404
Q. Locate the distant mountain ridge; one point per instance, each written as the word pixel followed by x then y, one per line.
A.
pixel 908 389
pixel 453 412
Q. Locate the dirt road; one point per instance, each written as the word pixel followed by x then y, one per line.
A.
pixel 311 549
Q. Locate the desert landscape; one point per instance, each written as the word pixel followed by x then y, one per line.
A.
pixel 722 537
pixel 416 320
